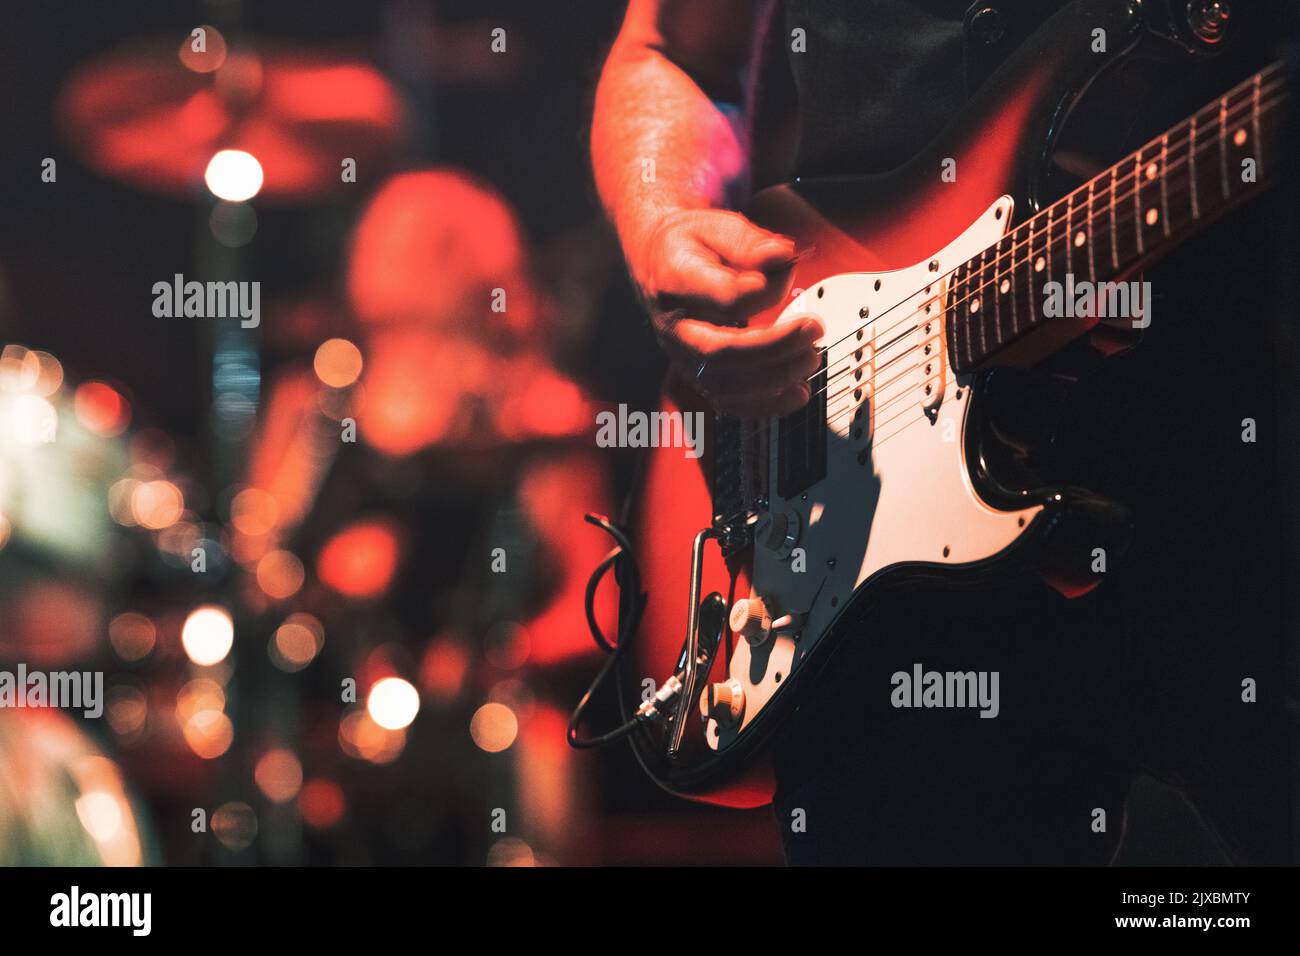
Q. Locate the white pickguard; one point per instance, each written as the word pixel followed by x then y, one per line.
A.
pixel 912 500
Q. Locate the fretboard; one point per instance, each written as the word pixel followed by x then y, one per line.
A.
pixel 1120 220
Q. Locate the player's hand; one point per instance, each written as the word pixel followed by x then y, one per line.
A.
pixel 698 268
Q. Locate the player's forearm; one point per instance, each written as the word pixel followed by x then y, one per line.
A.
pixel 660 143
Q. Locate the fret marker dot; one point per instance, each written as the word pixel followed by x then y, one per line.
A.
pixel 1152 170
pixel 1239 138
pixel 1006 284
pixel 1080 238
pixel 1039 263
pixel 975 305
pixel 1152 216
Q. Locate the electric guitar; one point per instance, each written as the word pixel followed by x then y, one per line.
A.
pixel 770 546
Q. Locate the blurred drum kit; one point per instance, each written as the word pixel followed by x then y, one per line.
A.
pixel 214 122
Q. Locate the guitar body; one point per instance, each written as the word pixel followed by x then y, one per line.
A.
pixel 916 487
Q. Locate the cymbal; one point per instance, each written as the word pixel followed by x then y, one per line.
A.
pixel 140 116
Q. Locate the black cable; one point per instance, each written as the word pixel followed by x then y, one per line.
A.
pixel 631 602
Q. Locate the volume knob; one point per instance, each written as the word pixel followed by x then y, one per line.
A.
pixel 723 702
pixel 749 619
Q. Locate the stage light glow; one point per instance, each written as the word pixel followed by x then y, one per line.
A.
pixel 132 635
pixel 208 635
pixel 234 175
pixel 280 574
pixel 101 410
pixel 511 851
pixel 296 642
pixel 211 57
pixel 338 363
pixel 494 727
pixel 279 775
pixel 254 511
pixel 443 668
pixel 101 815
pixel 321 803
pixel 35 422
pixel 19 369
pixel 127 711
pixel 360 560
pixel 393 703
pixel 362 738
pixel 235 825
pixel 209 733
pixel 197 696
pixel 157 504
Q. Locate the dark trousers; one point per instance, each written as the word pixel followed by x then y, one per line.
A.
pixel 1085 703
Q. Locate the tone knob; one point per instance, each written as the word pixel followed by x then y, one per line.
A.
pixel 749 619
pixel 778 532
pixel 723 702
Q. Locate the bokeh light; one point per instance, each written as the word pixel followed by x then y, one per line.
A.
pixel 393 703
pixel 338 363
pixel 234 824
pixel 132 635
pixel 254 512
pixel 360 560
pixel 209 733
pixel 207 635
pixel 494 727
pixel 321 803
pixel 280 574
pixel 362 738
pixel 296 642
pixel 101 409
pixel 279 775
pixel 35 421
pixel 211 57
pixel 157 504
pixel 234 175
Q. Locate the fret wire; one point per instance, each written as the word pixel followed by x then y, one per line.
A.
pixel 1048 234
pixel 1092 262
pixel 1137 201
pixel 970 352
pixel 1114 232
pixel 1196 206
pixel 1048 273
pixel 1015 327
pixel 1164 182
pixel 1257 109
pixel 1069 234
pixel 1223 144
pixel 997 295
pixel 1258 145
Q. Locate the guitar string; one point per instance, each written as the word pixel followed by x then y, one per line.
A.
pixel 835 415
pixel 1123 219
pixel 1052 240
pixel 1068 227
pixel 877 391
pixel 1246 88
pixel 1254 100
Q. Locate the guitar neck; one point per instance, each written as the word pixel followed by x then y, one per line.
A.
pixel 1119 221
